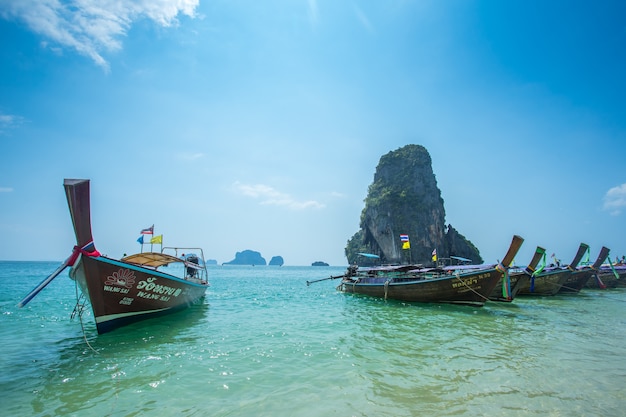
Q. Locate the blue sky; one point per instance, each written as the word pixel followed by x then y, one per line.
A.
pixel 237 125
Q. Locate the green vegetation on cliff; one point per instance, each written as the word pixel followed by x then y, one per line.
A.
pixel 404 199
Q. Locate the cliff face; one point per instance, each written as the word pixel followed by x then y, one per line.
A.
pixel 404 199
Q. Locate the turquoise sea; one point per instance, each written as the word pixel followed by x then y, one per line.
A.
pixel 264 343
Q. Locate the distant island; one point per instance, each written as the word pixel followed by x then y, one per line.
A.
pixel 211 262
pixel 319 263
pixel 250 257
pixel 247 257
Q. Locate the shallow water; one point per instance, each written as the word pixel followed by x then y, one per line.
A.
pixel 265 343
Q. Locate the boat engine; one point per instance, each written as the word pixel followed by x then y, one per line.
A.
pixel 191 271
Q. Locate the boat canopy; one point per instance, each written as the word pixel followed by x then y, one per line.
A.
pixel 368 255
pixel 153 259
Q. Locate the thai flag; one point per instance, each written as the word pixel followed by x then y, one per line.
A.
pixel 148 231
pixel 404 238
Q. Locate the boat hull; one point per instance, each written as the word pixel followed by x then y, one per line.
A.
pixel 576 281
pixel 608 279
pixel 546 283
pixel 517 281
pixel 470 289
pixel 121 293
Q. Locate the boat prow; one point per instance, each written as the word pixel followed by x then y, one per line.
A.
pixel 134 288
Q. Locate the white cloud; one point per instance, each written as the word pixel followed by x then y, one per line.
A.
pixel 191 156
pixel 313 13
pixel 270 196
pixel 9 121
pixel 362 18
pixel 6 189
pixel 615 199
pixel 92 26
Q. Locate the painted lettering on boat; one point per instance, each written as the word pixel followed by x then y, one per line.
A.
pixel 153 291
pixel 463 282
pixel 110 288
pixel 126 301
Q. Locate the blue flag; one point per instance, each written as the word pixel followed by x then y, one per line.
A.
pixel 140 240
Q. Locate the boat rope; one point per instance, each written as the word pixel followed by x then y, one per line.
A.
pixel 457 276
pixel 80 316
pixel 386 287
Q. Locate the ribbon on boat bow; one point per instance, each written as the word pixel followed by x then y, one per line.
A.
pixel 506 281
pixel 88 250
pixel 537 272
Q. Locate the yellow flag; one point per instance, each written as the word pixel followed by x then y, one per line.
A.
pixel 406 245
pixel 157 239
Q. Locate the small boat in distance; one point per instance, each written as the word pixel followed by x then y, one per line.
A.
pixel 133 288
pixel 459 286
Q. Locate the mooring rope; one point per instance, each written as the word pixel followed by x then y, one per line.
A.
pixel 456 275
pixel 80 316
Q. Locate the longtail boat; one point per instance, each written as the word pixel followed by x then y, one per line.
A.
pixel 608 276
pixel 581 275
pixel 127 290
pixel 509 286
pixel 548 281
pixel 470 286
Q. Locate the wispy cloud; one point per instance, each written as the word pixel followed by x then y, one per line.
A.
pixel 615 199
pixel 191 156
pixel 92 26
pixel 9 121
pixel 269 196
pixel 6 189
pixel 362 17
pixel 313 12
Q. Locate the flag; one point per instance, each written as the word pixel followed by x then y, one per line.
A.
pixel 406 245
pixel 404 238
pixel 148 231
pixel 140 240
pixel 434 254
pixel 157 239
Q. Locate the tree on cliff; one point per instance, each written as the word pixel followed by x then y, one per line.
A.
pixel 404 199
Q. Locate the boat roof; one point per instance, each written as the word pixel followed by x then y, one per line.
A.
pixel 153 259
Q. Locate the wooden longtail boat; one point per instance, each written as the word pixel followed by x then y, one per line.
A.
pixel 471 287
pixel 133 288
pixel 507 289
pixel 608 276
pixel 579 277
pixel 548 281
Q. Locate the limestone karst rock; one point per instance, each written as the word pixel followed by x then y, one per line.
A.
pixel 404 199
